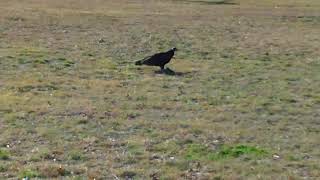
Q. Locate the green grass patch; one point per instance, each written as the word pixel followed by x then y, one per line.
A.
pixel 76 156
pixel 3 168
pixel 45 87
pixel 135 149
pixel 29 173
pixel 237 151
pixel 42 154
pixel 34 58
pixel 4 154
pixel 197 152
pixel 201 152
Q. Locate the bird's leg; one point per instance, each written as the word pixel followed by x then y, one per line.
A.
pixel 162 68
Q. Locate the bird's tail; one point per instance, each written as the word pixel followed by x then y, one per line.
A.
pixel 138 63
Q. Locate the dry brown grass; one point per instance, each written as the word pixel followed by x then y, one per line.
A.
pixel 73 107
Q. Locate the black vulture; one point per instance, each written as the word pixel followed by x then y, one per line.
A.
pixel 159 59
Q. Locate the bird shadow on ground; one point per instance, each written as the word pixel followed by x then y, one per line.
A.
pixel 218 2
pixel 171 72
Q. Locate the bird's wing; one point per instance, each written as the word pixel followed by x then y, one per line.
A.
pixel 153 59
pixel 146 58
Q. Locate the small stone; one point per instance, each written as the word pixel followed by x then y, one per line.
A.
pixel 275 156
pixel 155 157
pixel 306 157
pixel 101 40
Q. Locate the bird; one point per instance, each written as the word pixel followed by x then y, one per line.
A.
pixel 159 59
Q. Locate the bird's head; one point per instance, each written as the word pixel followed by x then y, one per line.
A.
pixel 174 49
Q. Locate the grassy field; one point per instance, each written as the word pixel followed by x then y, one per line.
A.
pixel 244 102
